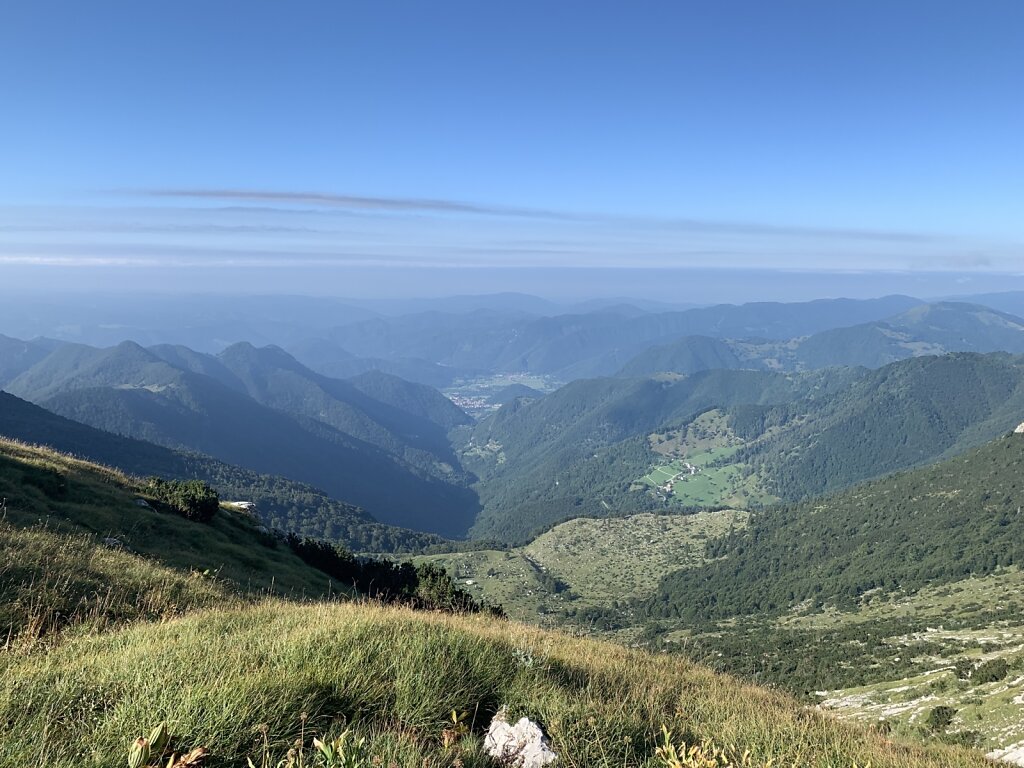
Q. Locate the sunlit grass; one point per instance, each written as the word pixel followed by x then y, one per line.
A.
pixel 221 678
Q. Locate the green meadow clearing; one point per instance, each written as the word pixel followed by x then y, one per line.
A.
pixel 711 485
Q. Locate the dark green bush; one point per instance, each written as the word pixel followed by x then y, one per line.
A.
pixel 426 586
pixel 192 499
pixel 964 668
pixel 969 739
pixel 940 718
pixel 991 671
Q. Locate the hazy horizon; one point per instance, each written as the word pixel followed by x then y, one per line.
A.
pixel 561 286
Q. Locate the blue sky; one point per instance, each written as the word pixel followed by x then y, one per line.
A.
pixel 312 144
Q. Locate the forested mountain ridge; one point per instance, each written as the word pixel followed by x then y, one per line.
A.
pixel 274 378
pixel 928 526
pixel 898 416
pixel 578 451
pixel 927 329
pixel 279 503
pixel 689 354
pixel 136 392
pixel 198 362
pixel 17 356
pixel 583 450
pixel 411 397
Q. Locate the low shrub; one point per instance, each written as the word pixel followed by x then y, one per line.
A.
pixel 940 718
pixel 192 499
pixel 991 671
pixel 425 586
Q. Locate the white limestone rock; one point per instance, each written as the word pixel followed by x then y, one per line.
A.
pixel 1013 754
pixel 522 745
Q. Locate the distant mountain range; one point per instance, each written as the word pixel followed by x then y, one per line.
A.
pixel 926 329
pixel 597 343
pixel 436 341
pixel 802 405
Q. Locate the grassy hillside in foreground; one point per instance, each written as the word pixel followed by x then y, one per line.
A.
pixel 217 675
pixel 51 581
pixel 54 569
pixel 221 679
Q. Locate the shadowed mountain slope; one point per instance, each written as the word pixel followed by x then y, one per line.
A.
pixel 134 392
pixel 279 502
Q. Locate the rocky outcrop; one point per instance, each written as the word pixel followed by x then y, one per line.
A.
pixel 522 745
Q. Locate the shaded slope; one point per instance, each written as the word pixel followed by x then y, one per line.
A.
pixel 417 399
pixel 267 441
pixel 280 503
pixel 274 378
pixel 132 391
